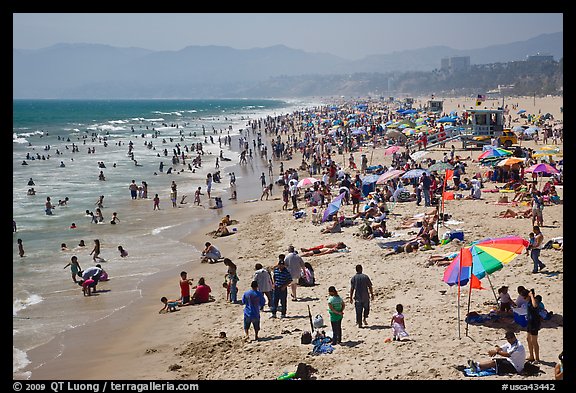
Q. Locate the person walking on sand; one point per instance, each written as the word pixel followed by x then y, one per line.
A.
pixel 253 301
pixel 74 268
pixel 295 265
pixel 361 294
pixel 264 279
pixel 282 280
pixel 336 310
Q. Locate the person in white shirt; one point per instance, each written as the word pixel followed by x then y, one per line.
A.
pixel 513 357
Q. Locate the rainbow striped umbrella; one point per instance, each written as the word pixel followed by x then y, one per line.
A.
pixel 483 257
pixel 495 152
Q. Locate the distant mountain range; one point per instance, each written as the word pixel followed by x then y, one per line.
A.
pixel 102 71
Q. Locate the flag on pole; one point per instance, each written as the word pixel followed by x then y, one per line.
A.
pixel 475 282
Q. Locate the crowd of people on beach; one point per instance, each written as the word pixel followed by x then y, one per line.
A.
pixel 321 136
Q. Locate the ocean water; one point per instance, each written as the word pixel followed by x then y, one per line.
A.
pixel 45 299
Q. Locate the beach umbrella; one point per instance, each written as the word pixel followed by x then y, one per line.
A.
pixel 446 119
pixel 546 152
pixel 359 131
pixel 521 111
pixel 369 179
pixel 440 166
pixel 419 154
pixel 494 152
pixel 391 150
pixel 510 161
pixel 307 181
pixel 531 130
pixel 483 257
pixel 542 168
pixel 480 259
pixel 518 129
pixel 414 173
pixel 333 207
pixel 391 174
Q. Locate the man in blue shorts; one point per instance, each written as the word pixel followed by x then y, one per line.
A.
pixel 253 301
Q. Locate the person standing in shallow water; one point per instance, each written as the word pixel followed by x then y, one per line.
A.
pixel 133 187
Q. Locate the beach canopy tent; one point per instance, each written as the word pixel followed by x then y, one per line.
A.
pixel 369 184
pixel 446 119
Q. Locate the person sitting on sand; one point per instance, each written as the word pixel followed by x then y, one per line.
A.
pixel 201 293
pixel 323 249
pixel 210 254
pixel 226 220
pixel 222 230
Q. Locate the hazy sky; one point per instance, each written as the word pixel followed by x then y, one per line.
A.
pixel 348 35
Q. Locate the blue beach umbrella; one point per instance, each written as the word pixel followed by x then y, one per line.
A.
pixel 333 207
pixel 370 179
pixel 414 173
pixel 521 111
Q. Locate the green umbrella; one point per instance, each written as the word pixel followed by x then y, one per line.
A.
pixel 440 166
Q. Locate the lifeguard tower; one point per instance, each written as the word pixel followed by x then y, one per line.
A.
pixel 485 123
pixel 435 106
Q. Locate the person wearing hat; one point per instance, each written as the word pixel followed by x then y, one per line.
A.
pixel 282 280
pixel 513 357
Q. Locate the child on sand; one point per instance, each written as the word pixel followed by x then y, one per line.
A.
pixel 156 202
pixel 169 305
pixel 398 325
pixel 506 302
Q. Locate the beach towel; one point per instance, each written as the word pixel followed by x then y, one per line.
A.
pixel 483 373
pixel 392 244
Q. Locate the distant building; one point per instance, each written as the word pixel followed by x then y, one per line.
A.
pixel 454 64
pixel 540 58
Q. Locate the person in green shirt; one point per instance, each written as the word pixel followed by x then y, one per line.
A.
pixel 336 310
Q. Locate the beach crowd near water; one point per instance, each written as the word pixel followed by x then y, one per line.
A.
pixel 318 243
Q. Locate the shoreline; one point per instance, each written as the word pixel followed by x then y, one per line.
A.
pixel 136 344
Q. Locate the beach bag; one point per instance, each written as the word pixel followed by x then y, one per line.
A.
pixel 530 370
pixel 306 337
pixel 318 321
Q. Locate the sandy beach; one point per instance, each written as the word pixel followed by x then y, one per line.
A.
pixel 138 343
